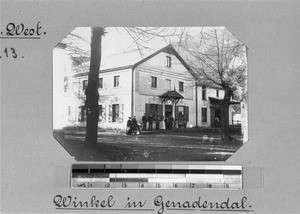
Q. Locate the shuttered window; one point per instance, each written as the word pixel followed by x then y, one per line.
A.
pixel 182 113
pixel 116 113
pixel 116 81
pixel 180 86
pixel 154 82
pixel 100 84
pixel 102 113
pixel 84 84
pixel 169 61
pixel 81 114
pixel 153 109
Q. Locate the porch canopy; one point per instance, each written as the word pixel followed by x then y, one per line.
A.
pixel 171 95
pixel 216 102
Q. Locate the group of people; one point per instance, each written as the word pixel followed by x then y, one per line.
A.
pixel 132 126
pixel 148 121
pixel 161 122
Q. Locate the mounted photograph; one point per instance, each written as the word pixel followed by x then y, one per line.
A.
pixel 150 93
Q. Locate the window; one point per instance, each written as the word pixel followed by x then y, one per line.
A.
pixel 100 83
pixel 116 81
pixel 168 84
pixel 154 82
pixel 115 112
pixel 101 113
pixel 204 114
pixel 84 84
pixel 81 114
pixel 203 93
pixel 180 86
pixel 169 61
pixel 217 93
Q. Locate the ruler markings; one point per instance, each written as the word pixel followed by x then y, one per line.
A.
pixel 138 176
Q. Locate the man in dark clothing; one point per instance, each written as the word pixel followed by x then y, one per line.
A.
pixel 150 122
pixel 157 122
pixel 134 124
pixel 129 127
pixel 172 122
pixel 167 122
pixel 144 120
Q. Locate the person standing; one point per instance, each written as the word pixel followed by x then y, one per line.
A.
pixel 150 121
pixel 157 122
pixel 144 120
pixel 134 124
pixel 167 122
pixel 172 122
pixel 162 125
pixel 128 127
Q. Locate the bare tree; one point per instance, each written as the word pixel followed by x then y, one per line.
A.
pixel 217 59
pixel 140 36
pixel 91 92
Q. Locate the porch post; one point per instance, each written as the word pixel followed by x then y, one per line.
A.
pixel 173 109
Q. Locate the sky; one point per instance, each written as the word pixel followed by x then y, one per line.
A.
pixel 117 40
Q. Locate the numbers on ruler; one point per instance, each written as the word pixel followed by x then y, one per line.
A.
pixel 81 184
pixel 85 185
pixel 155 185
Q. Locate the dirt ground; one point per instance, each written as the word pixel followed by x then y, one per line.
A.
pixel 150 147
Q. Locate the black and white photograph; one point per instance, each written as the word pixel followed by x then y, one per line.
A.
pixel 150 93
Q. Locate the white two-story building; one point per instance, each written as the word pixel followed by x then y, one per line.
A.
pixel 134 84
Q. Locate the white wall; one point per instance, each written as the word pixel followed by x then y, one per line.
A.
pixel 156 66
pixel 61 64
pixel 109 95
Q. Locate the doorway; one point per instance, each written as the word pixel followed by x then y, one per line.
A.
pixel 216 117
pixel 168 111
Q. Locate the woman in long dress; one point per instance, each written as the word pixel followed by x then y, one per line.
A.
pixel 162 124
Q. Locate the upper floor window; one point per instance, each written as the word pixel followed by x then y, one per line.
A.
pixel 217 93
pixel 116 81
pixel 100 83
pixel 204 93
pixel 169 61
pixel 154 82
pixel 84 84
pixel 168 84
pixel 180 86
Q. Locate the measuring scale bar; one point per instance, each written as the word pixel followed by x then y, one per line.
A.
pixel 156 176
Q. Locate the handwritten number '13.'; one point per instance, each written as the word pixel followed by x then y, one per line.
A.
pixel 13 52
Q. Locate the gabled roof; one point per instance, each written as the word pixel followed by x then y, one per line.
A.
pixel 133 58
pixel 168 49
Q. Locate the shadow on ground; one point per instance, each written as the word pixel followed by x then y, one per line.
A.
pixel 149 147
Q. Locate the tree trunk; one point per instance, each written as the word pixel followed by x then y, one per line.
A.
pixel 225 114
pixel 92 94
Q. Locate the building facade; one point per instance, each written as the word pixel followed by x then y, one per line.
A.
pixel 158 84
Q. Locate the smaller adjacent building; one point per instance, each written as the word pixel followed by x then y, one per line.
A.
pixel 157 83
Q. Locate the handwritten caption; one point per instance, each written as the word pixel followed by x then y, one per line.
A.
pixel 159 204
pixel 19 31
